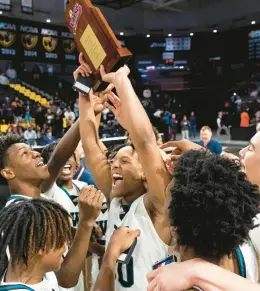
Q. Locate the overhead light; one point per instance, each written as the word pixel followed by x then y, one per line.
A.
pixel 48 20
pixel 253 22
pixel 215 31
pixel 1 12
pixel 191 34
pixel 169 34
pixel 235 94
pixel 148 35
pixel 121 33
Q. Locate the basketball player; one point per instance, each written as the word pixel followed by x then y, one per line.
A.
pixel 27 176
pixel 133 170
pixel 46 230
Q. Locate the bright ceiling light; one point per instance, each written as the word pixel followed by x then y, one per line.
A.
pixel 1 12
pixel 191 34
pixel 121 33
pixel 253 22
pixel 48 20
pixel 169 34
pixel 215 31
pixel 148 35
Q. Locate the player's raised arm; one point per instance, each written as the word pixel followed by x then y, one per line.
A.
pixel 135 120
pixel 95 155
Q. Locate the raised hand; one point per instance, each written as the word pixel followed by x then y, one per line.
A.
pixel 111 77
pixel 84 69
pixel 90 203
pixel 121 240
pixel 116 108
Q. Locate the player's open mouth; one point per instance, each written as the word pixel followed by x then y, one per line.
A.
pixel 116 178
pixel 41 163
pixel 67 169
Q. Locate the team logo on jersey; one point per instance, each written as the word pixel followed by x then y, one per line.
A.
pixel 164 262
pixel 29 41
pixel 75 16
pixel 7 38
pixel 49 43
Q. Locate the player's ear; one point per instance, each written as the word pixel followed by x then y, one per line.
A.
pixel 8 173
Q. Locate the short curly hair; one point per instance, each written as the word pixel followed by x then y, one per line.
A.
pixel 6 141
pixel 213 204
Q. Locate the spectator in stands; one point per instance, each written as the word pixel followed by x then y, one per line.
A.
pixel 30 136
pixel 185 127
pixel 28 117
pixel 53 107
pixel 19 129
pixel 39 116
pixel 173 127
pixel 220 125
pixel 49 117
pixel 207 142
pixel 36 72
pixel 8 114
pixel 11 73
pixel 76 108
pixel 48 138
pixel 69 115
pixel 193 125
pixel 4 81
pixel 18 112
pixel 58 126
pixel 238 104
pixel 244 118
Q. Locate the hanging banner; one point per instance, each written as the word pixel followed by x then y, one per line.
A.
pixel 7 39
pixel 26 6
pixel 5 5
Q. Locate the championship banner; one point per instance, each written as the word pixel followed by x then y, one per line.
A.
pixel 49 40
pixel 26 6
pixel 7 39
pixel 29 41
pixel 5 5
pixel 69 47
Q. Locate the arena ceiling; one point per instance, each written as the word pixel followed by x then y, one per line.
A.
pixel 179 17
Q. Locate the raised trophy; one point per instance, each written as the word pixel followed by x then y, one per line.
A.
pixel 96 40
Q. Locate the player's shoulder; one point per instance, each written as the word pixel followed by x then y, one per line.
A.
pixel 16 287
pixel 79 184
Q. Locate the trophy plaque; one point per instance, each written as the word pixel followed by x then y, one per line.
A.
pixel 96 40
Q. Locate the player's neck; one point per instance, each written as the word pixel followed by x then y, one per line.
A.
pixel 33 274
pixel 131 197
pixel 25 189
pixel 66 184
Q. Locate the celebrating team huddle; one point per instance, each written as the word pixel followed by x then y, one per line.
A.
pixel 150 218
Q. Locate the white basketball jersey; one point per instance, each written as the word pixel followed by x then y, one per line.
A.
pixel 68 199
pixel 102 223
pixel 49 283
pixel 149 250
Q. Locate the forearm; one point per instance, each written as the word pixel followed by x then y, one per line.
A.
pixel 106 276
pixel 63 151
pixel 138 123
pixel 73 263
pixel 211 277
pixel 95 156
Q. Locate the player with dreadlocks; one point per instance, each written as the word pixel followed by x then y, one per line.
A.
pixel 27 177
pixel 45 227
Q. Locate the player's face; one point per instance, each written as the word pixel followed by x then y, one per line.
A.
pixel 68 170
pixel 127 174
pixel 52 260
pixel 205 135
pixel 250 160
pixel 25 164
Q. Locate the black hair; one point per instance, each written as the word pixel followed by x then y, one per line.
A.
pixel 49 149
pixel 30 225
pixel 6 141
pixel 112 151
pixel 234 151
pixel 213 204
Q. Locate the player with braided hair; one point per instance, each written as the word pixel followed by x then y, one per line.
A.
pixel 36 233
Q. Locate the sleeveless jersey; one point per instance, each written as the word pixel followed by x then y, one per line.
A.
pixel 68 199
pixel 149 250
pixel 49 283
pixel 102 223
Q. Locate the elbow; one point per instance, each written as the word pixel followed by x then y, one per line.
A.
pixel 67 283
